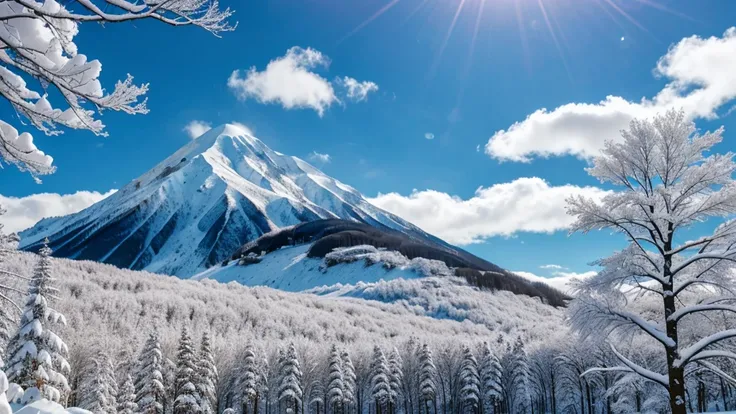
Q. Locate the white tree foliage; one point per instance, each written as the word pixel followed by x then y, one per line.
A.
pixel 98 390
pixel 290 390
pixel 36 355
pixel 335 381
pixel 206 377
pixel 380 387
pixel 348 373
pixel 469 381
pixel 37 42
pixel 149 382
pixel 126 397
pixel 668 185
pixel 186 397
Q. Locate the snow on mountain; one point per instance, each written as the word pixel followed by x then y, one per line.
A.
pixel 198 206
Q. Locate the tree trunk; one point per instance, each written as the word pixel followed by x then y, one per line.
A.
pixel 676 374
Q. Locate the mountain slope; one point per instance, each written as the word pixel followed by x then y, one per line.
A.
pixel 198 206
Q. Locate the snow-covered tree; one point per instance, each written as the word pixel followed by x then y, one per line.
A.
pixel 36 355
pixel 335 382
pixel 186 400
pixel 149 386
pixel 395 378
pixel 317 396
pixel 206 377
pixel 349 379
pixel 98 390
pixel 380 387
pixel 490 377
pixel 469 381
pixel 126 397
pixel 290 390
pixel 667 185
pixel 248 385
pixel 38 45
pixel 427 377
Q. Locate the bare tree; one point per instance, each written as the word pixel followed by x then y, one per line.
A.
pixel 668 184
pixel 37 42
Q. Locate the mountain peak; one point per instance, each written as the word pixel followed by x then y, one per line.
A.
pixel 199 205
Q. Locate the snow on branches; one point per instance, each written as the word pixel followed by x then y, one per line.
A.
pixel 37 42
pixel 659 281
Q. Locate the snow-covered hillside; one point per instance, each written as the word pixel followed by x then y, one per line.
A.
pixel 121 306
pixel 202 203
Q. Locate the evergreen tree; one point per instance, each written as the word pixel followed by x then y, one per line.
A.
pixel 8 243
pixel 316 396
pixel 335 382
pixel 380 387
pixel 490 377
pixel 290 390
pixel 349 379
pixel 186 396
pixel 37 356
pixel 520 391
pixel 248 387
pixel 396 378
pixel 427 377
pixel 126 398
pixel 206 377
pixel 149 386
pixel 469 381
pixel 98 390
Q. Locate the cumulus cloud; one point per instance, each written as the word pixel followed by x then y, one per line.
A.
pixel 357 91
pixel 197 128
pixel 317 157
pixel 292 82
pixel 428 135
pixel 523 205
pixel 551 267
pixel 560 281
pixel 701 74
pixel 24 212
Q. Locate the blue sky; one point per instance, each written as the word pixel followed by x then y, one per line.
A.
pixel 430 80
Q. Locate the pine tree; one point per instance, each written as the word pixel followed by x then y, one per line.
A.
pixel 290 390
pixel 335 382
pixel 206 377
pixel 126 398
pixel 316 396
pixel 149 386
pixel 380 388
pixel 98 390
pixel 248 387
pixel 36 359
pixel 8 243
pixel 396 378
pixel 490 377
pixel 427 377
pixel 349 379
pixel 520 386
pixel 186 396
pixel 469 381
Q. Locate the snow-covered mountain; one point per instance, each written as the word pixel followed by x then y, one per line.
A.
pixel 202 203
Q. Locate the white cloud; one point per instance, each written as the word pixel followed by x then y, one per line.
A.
pixel 244 127
pixel 196 128
pixel 317 157
pixel 523 205
pixel 288 80
pixel 357 91
pixel 702 78
pixel 24 212
pixel 291 81
pixel 428 135
pixel 560 280
pixel 551 267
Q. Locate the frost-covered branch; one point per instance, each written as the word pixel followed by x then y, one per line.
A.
pixel 37 43
pixel 693 350
pixel 648 374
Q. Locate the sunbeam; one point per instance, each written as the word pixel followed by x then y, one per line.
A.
pixel 554 38
pixel 447 38
pixel 366 22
